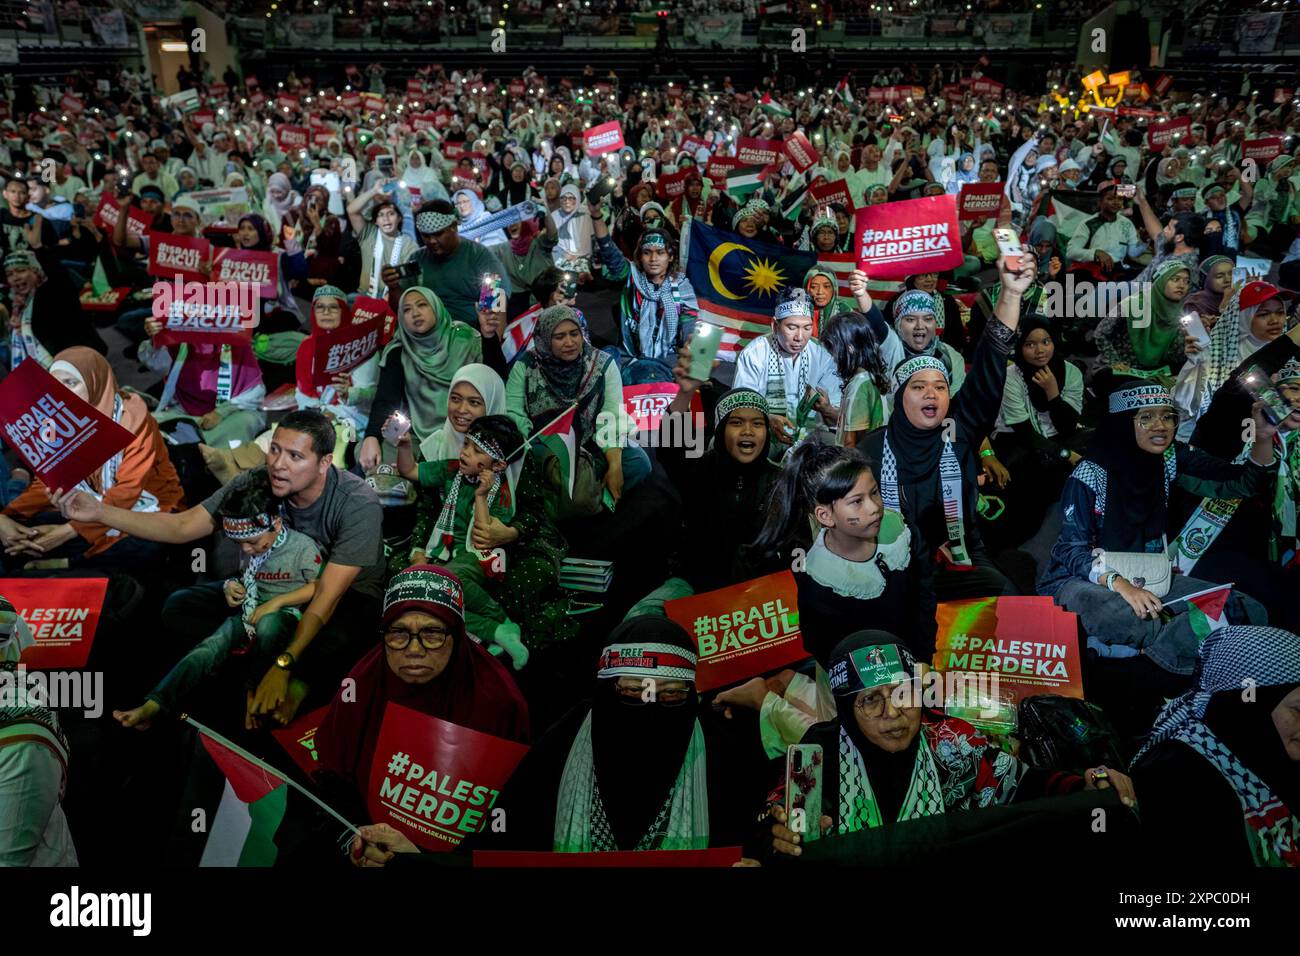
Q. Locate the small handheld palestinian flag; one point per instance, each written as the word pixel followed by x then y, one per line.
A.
pixel 844 91
pixel 559 438
pixel 1206 610
pixel 519 333
pixel 773 108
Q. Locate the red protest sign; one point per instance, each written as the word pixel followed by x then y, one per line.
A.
pixel 201 118
pixel 692 144
pixel 63 614
pixel 218 91
pixel 206 313
pixel 1160 135
pixel 743 630
pixel 421 121
pixel 171 255
pixel 71 104
pixel 343 349
pixel 712 858
pixel 1028 642
pixel 979 200
pixel 899 239
pixel 646 404
pixel 248 266
pixel 800 151
pixel 605 138
pixel 718 168
pixel 350 101
pixel 453 150
pixel 1163 83
pixel 953 92
pixel 106 213
pixel 372 102
pixel 293 137
pixel 1262 150
pixel 876 94
pixel 436 781
pixel 1282 94
pixel 61 438
pixel 987 86
pixel 298 738
pixel 824 193
pixel 516 88
pixel 441 118
pixel 322 137
pixel 250 82
pixel 368 307
pixel 674 184
pixel 757 152
pixel 286 102
pixel 257 99
pixel 414 85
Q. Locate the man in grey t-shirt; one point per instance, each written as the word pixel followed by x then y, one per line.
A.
pixel 339 511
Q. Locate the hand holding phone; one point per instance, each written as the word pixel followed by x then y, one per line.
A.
pixel 804 770
pixel 396 428
pixel 703 346
pixel 1009 247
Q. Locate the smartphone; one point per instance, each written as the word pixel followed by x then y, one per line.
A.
pixel 601 188
pixel 569 286
pixel 803 790
pixel 703 345
pixel 407 270
pixel 1127 190
pixel 384 163
pixel 1009 247
pixel 398 424
pixel 1193 326
pixel 491 297
pixel 1258 386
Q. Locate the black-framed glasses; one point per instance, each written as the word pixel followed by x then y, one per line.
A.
pixel 431 638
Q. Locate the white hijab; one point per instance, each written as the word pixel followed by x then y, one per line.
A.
pixel 446 443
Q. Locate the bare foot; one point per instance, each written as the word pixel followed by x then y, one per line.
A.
pixel 748 695
pixel 292 701
pixel 138 717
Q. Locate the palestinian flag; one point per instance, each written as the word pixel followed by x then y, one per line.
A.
pixel 743 181
pixel 558 437
pixel 1206 611
pixel 252 806
pixel 773 108
pixel 519 333
pixel 844 92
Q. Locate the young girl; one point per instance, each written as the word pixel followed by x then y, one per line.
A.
pixel 866 399
pixel 492 532
pixel 860 567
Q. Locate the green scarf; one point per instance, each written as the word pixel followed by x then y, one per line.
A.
pixel 430 361
pixel 1152 339
pixel 682 824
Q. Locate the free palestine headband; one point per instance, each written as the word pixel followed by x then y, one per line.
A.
pixel 425 584
pixel 1141 396
pixel 665 661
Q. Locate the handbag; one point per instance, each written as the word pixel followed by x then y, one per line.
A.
pixel 1058 733
pixel 588 487
pixel 1151 571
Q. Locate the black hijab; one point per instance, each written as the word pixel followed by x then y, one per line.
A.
pixel 1056 364
pixel 746 486
pixel 890 773
pixel 1246 728
pixel 638 749
pixel 1136 505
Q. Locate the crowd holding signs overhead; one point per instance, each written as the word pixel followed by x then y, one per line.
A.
pixel 527 463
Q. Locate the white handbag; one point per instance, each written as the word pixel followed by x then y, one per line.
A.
pixel 1150 571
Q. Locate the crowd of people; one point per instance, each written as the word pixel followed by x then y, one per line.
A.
pixel 399 533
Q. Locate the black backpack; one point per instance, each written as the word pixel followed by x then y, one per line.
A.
pixel 1065 733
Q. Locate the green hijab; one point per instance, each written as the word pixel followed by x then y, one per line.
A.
pixel 1152 339
pixel 430 361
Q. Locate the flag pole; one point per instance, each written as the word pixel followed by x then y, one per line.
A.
pixel 531 438
pixel 1188 597
pixel 268 769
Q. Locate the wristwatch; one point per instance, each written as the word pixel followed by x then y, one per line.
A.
pixel 285 661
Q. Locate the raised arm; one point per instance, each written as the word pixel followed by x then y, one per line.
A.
pixel 188 525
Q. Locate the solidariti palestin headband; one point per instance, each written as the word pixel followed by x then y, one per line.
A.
pixel 1141 396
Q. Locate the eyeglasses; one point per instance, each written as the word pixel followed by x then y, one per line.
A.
pixel 873 705
pixel 1149 420
pixel 431 638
